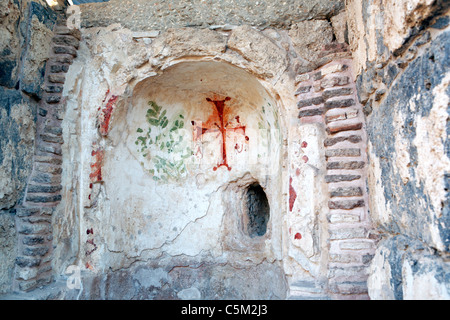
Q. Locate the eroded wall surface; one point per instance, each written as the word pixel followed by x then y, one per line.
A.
pixel 145 172
pixel 154 139
pixel 25 34
pixel 402 78
pixel 168 151
pixel 135 14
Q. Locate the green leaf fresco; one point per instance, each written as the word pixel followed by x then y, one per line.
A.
pixel 162 134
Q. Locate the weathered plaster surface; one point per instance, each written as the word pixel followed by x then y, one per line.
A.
pixel 134 14
pixel 131 207
pixel 378 29
pixel 409 161
pixel 408 180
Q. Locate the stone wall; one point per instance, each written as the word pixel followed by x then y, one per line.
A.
pixel 319 238
pixel 25 33
pixel 401 56
pixel 356 103
pixel 140 15
pixel 327 96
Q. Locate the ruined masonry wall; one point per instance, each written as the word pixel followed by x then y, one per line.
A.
pixel 43 192
pixel 25 33
pixel 327 96
pixel 401 54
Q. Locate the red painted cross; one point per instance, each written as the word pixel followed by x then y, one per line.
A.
pixel 220 126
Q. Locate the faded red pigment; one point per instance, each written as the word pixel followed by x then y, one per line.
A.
pixel 106 114
pixel 218 123
pixel 96 167
pixel 292 195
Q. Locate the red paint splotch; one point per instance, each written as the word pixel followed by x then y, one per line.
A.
pixel 304 144
pixel 105 115
pixel 292 195
pixel 218 122
pixel 297 236
pixel 96 166
pixel 305 158
pixel 91 242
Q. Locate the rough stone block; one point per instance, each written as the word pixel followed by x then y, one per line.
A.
pixel 335 81
pixel 356 245
pixel 7 78
pixel 347 233
pixel 48 168
pixel 48 159
pixel 346 192
pixel 343 218
pixel 346 165
pixel 56 78
pixel 349 288
pixel 341 103
pixel 332 141
pixel 50 149
pixel 309 37
pixel 53 98
pixel 27 273
pixel 65 50
pixel 309 102
pixel 53 88
pixel 43 198
pixel 63 30
pixel 347 152
pixel 33 240
pixel 52 138
pixel 310 112
pixel 342 116
pixel 66 40
pixel 301 78
pixel 27 212
pixel 302 89
pixel 255 46
pixel 344 258
pixel 345 204
pixel 334 92
pixel 57 131
pixel 38 188
pixel 344 127
pixel 45 178
pixel 333 69
pixel 28 285
pixel 341 177
pixel 57 68
pixel 42 112
pixel 27 229
pixel 35 251
pixel 24 262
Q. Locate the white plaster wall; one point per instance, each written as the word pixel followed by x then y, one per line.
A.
pixel 129 216
pixel 184 214
pixel 132 216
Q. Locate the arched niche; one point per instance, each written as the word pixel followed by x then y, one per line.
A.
pixel 176 150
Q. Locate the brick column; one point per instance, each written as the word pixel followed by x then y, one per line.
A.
pixel 43 192
pixel 328 96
